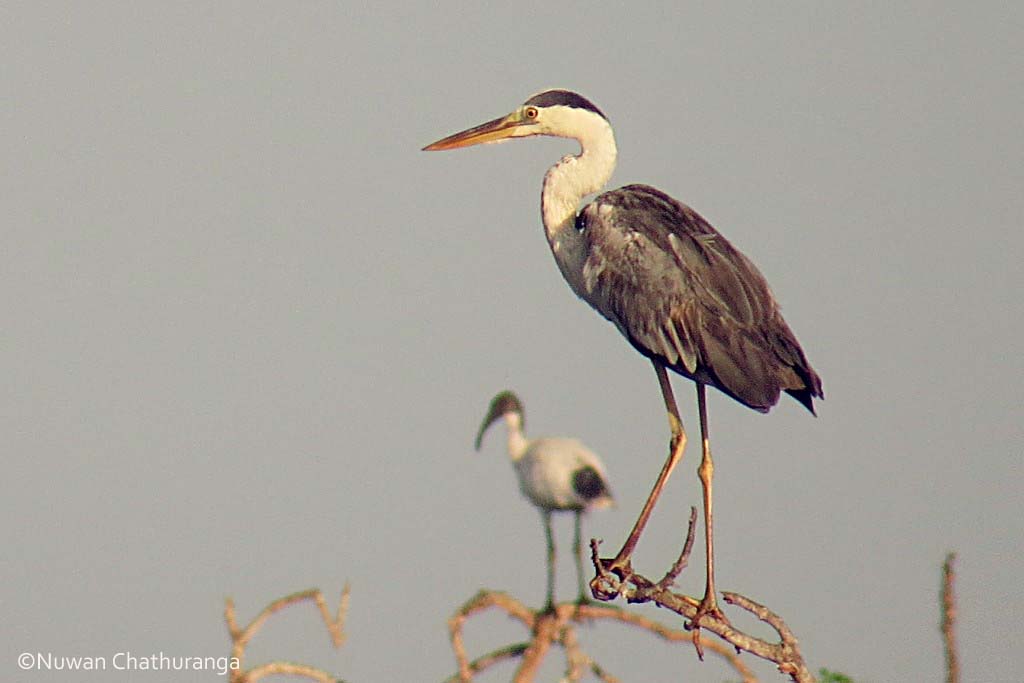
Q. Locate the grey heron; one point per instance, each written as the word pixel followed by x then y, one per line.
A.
pixel 554 473
pixel 681 294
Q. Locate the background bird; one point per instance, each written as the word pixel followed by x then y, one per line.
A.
pixel 555 474
pixel 681 294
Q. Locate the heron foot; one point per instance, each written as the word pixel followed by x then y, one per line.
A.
pixel 707 607
pixel 611 576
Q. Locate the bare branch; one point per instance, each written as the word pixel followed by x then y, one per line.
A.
pixel 490 659
pixel 949 620
pixel 672 635
pixel 605 676
pixel 577 661
pixel 684 557
pixel 639 589
pixel 483 600
pixel 240 637
pixel 546 633
pixel 274 668
pixel 558 628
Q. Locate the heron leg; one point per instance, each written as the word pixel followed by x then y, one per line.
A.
pixel 621 563
pixel 706 471
pixel 549 605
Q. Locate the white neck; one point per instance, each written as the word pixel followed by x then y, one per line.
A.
pixel 568 182
pixel 516 439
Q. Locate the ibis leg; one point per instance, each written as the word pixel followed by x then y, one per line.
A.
pixel 706 471
pixel 549 605
pixel 577 549
pixel 621 562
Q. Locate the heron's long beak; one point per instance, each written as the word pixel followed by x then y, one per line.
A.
pixel 512 126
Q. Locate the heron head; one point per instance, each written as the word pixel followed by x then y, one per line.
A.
pixel 552 112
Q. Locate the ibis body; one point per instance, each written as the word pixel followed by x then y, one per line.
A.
pixel 556 474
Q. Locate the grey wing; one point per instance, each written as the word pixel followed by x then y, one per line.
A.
pixel 682 294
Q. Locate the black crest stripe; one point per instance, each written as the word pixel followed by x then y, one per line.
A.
pixel 566 98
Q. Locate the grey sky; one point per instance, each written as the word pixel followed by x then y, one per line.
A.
pixel 251 328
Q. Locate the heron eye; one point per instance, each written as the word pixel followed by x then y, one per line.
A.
pixel 531 112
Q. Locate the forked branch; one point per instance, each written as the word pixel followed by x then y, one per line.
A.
pixel 240 637
pixel 637 589
pixel 558 629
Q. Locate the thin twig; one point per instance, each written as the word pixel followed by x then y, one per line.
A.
pixel 240 637
pixel 546 633
pixel 288 668
pixel 481 601
pixel 490 659
pixel 684 557
pixel 558 628
pixel 639 589
pixel 602 674
pixel 727 652
pixel 949 620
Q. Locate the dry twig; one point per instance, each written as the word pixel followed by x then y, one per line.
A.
pixel 558 628
pixel 240 637
pixel 638 589
pixel 949 620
